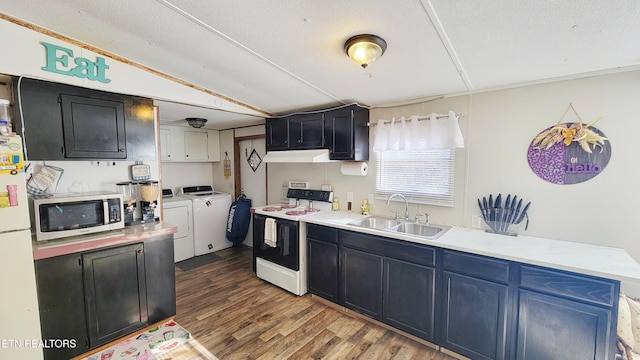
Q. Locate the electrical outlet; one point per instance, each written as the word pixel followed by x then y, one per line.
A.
pixel 371 198
pixel 476 222
pixel 349 196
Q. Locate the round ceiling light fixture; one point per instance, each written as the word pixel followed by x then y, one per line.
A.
pixel 196 122
pixel 365 48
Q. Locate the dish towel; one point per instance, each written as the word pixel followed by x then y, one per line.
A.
pixel 270 233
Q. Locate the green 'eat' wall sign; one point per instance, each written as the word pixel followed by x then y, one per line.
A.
pixel 58 61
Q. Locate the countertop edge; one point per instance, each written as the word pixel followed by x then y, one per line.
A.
pixel 129 234
pixel 588 259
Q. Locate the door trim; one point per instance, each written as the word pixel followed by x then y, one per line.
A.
pixel 237 183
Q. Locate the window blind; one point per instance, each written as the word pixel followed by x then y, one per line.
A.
pixel 423 176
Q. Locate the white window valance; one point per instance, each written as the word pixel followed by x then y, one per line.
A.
pixel 433 131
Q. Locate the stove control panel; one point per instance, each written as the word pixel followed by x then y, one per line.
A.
pixel 308 194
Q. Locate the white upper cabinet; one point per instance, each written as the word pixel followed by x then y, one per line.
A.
pixel 189 145
pixel 165 144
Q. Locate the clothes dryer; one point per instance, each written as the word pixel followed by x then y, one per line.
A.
pixel 178 211
pixel 210 214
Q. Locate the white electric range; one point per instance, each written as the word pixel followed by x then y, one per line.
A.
pixel 279 239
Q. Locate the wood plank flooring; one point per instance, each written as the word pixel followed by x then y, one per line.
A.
pixel 235 315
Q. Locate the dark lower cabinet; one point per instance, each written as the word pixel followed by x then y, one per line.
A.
pixel 556 328
pixel 477 306
pixel 475 302
pixel 474 317
pixel 578 312
pixel 362 282
pixel 161 278
pixel 61 304
pixel 322 259
pixel 408 299
pixel 388 280
pixel 115 292
pixel 95 297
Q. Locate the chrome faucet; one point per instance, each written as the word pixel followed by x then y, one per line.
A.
pixel 406 205
pixel 426 218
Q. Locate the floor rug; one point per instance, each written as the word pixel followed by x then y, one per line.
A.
pixel 197 261
pixel 166 341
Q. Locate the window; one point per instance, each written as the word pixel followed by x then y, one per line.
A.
pixel 423 176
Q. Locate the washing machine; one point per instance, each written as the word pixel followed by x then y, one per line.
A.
pixel 210 214
pixel 178 211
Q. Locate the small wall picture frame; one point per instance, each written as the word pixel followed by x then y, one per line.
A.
pixel 254 160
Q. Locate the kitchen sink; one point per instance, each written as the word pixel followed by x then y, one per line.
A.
pixel 423 230
pixel 375 222
pixel 426 231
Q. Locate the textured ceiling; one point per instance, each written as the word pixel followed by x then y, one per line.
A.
pixel 282 56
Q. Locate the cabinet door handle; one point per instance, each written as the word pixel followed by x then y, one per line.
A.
pixel 121 150
pixel 140 251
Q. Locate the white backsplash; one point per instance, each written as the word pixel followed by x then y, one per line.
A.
pixel 82 176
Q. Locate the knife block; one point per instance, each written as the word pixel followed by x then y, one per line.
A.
pixel 502 221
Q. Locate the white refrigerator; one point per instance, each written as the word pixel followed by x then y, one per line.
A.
pixel 20 330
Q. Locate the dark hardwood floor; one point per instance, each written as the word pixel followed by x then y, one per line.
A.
pixel 235 315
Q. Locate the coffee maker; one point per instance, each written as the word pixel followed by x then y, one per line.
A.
pixel 140 201
pixel 130 197
pixel 149 191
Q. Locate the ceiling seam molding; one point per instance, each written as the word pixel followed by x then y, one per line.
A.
pixel 437 25
pixel 247 49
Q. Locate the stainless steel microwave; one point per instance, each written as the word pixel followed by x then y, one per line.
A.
pixel 63 215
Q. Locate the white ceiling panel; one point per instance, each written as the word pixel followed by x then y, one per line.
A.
pixel 282 56
pixel 504 42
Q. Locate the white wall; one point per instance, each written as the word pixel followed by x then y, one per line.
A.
pixel 219 181
pixel 177 174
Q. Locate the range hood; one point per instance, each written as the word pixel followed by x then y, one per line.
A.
pixel 298 156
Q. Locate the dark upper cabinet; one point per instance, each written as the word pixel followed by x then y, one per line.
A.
pixel 64 122
pixel 277 134
pixel 306 131
pixel 344 132
pixel 93 128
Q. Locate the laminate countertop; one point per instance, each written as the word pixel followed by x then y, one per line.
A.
pixel 596 260
pixel 129 234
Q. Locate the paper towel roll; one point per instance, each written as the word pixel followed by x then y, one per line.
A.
pixel 354 168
